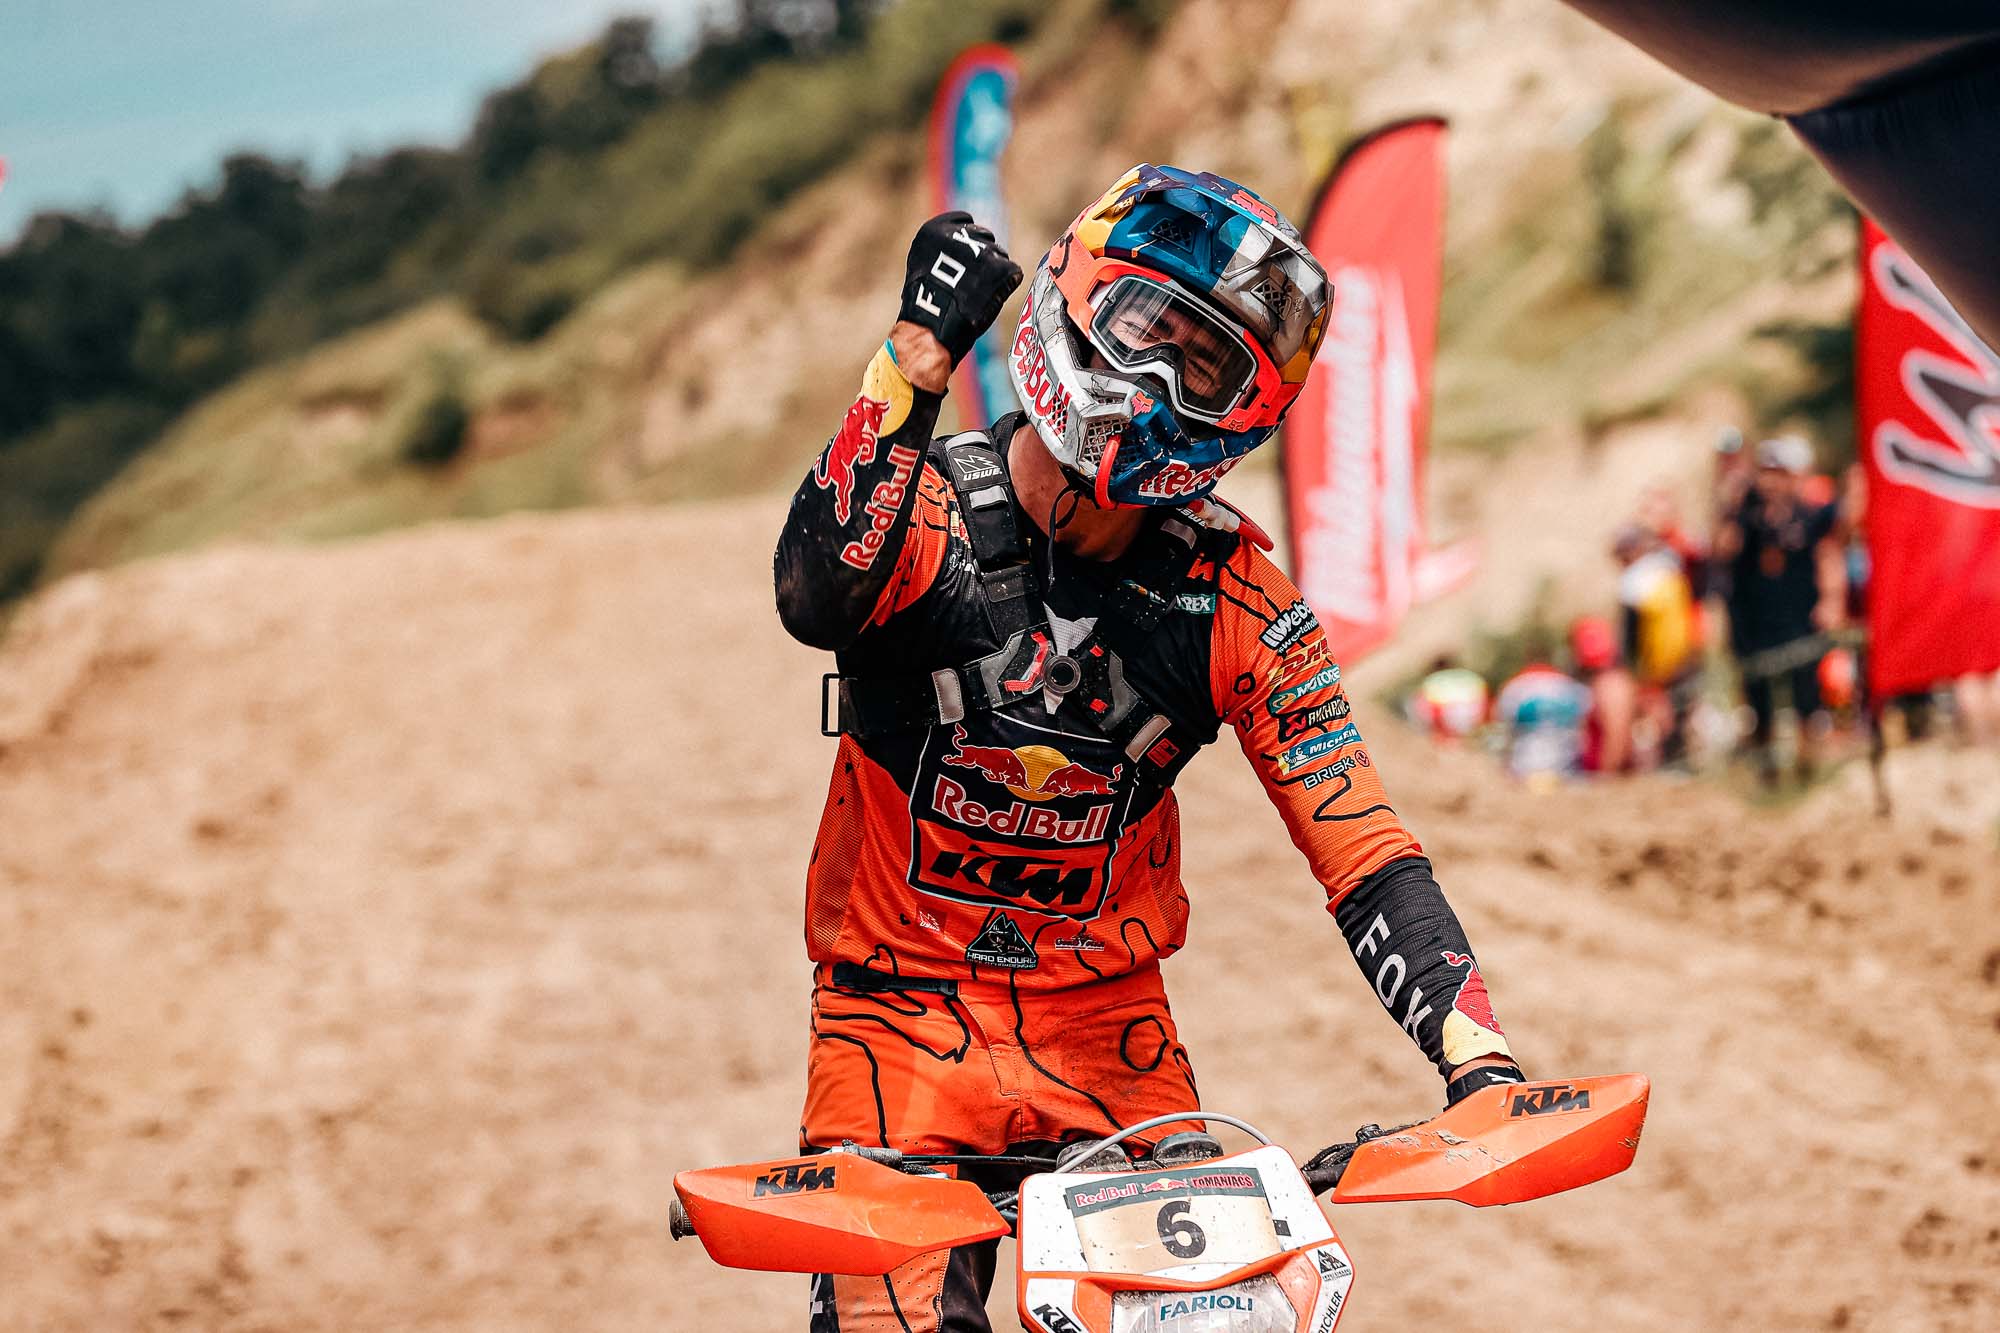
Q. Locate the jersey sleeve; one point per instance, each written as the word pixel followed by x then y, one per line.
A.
pixel 1276 683
pixel 865 532
pixel 925 541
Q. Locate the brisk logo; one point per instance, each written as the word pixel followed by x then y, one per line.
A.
pixel 1553 1099
pixel 798 1178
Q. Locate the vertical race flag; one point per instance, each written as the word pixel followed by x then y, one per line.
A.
pixel 1927 393
pixel 1354 442
pixel 971 119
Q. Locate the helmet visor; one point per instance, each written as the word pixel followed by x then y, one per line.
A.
pixel 1143 325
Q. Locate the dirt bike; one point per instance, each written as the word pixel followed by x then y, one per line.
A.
pixel 1190 1240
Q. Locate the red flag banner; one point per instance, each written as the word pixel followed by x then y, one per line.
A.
pixel 1927 391
pixel 1354 441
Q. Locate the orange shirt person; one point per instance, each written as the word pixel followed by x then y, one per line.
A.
pixel 1036 626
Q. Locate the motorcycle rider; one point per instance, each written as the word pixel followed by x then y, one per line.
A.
pixel 1035 627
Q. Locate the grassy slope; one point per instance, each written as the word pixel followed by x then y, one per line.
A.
pixel 1617 239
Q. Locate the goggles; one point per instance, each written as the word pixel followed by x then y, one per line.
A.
pixel 1218 374
pixel 1144 325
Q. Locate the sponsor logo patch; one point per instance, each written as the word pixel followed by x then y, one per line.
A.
pixel 1290 625
pixel 1044 398
pixel 883 504
pixel 1177 478
pixel 1000 943
pixel 1055 1321
pixel 1205 1303
pixel 949 799
pixel 1160 1186
pixel 1298 721
pixel 798 1178
pixel 1021 826
pixel 1551 1099
pixel 1285 696
pixel 851 446
pixel 1317 747
pixel 1339 768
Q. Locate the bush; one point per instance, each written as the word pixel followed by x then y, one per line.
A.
pixel 434 431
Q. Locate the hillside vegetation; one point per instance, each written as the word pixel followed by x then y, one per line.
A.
pixel 1620 245
pixel 601 160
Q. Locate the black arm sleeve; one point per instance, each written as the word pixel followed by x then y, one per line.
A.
pixel 1413 952
pixel 851 513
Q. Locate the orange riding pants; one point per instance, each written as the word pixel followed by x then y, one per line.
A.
pixel 975 1067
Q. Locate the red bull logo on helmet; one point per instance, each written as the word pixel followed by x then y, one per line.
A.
pixel 1178 479
pixel 1040 393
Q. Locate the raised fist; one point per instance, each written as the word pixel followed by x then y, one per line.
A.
pixel 957 279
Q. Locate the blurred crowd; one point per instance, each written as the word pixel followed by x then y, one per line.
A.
pixel 1742 641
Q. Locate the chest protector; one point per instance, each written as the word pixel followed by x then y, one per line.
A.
pixel 1017 680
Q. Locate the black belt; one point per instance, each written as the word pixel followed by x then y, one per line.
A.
pixel 855 977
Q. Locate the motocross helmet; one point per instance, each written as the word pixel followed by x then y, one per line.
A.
pixel 1165 335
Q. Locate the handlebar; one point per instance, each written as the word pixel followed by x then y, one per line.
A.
pixel 1322 1170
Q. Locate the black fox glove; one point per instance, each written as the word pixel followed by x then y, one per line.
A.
pixel 957 279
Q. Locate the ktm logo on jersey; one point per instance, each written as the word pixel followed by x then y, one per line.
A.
pixel 1020 877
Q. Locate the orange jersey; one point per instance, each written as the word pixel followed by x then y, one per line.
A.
pixel 1022 840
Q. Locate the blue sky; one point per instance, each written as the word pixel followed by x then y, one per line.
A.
pixel 125 103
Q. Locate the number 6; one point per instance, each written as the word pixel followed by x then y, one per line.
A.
pixel 1183 1239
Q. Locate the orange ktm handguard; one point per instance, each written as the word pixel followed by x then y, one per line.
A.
pixel 833 1213
pixel 1506 1144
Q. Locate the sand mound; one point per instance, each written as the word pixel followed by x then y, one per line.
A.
pixel 384 923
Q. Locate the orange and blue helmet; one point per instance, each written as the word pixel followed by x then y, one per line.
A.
pixel 1166 334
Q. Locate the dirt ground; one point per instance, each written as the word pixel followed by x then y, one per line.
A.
pixel 382 925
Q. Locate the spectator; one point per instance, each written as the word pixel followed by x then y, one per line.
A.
pixel 1661 633
pixel 1612 698
pixel 1544 712
pixel 1976 699
pixel 1787 586
pixel 1451 702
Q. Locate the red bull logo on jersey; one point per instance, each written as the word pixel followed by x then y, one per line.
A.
pixel 1470 1029
pixel 1026 827
pixel 852 445
pixel 949 799
pixel 1472 1000
pixel 1032 772
pixel 884 503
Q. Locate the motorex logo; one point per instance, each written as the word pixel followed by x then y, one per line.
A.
pixel 1286 695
